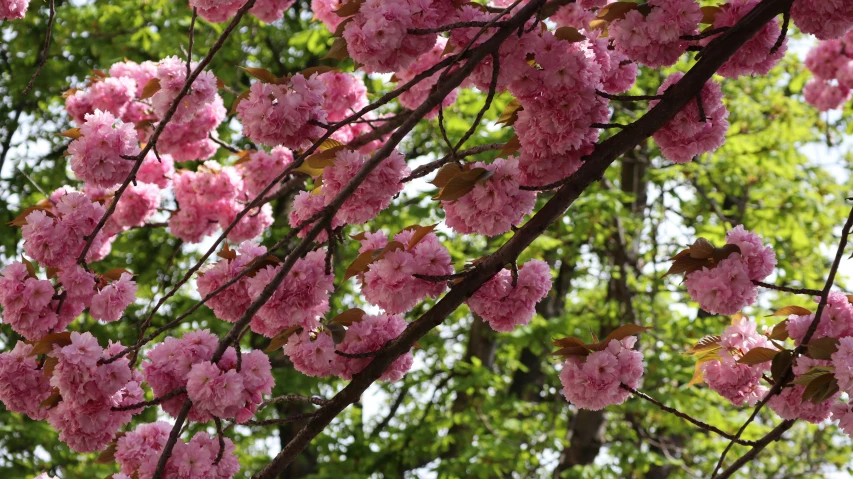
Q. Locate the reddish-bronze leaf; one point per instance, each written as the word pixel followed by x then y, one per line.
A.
pixel 338 50
pixel 261 74
pixel 820 388
pixel 21 219
pixel 420 233
pixel 115 274
pixel 108 455
pixel 569 34
pixel 462 184
pixel 49 366
pixel 31 269
pixel 150 88
pixel 359 237
pixel 757 356
pixel 52 272
pixel 72 133
pixel 349 317
pixel 319 70
pixel 812 374
pixel 624 331
pixel 571 351
pixel 445 174
pixel 351 7
pixel 364 260
pixel 780 331
pixel 616 10
pixel 724 252
pixel 52 400
pixel 261 263
pixel 510 113
pixel 45 344
pixel 341 26
pixel 781 362
pixel 789 310
pixel 512 145
pixel 227 253
pixel 709 14
pixel 279 340
pixel 569 341
pixel 707 343
pixel 688 265
pixel 324 158
pixel 240 97
pixel 701 249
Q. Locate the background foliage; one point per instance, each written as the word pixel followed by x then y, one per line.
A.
pixel 478 404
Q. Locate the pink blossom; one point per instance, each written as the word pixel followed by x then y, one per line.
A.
pixel 189 141
pixel 725 289
pixel 97 156
pixel 842 413
pixel 216 10
pixel 760 259
pixel 299 300
pixel 595 382
pixel 144 442
pixel 368 335
pixel 686 135
pixel 505 306
pixel 754 57
pixel 137 204
pixel 655 39
pixel 13 9
pixel 109 304
pixel 390 283
pixel 825 95
pixel 826 58
pixel 262 167
pixel 23 385
pixel 843 362
pixel 824 19
pixel 172 73
pixel 77 283
pixel 229 304
pixel 345 94
pixel 269 11
pixel 27 302
pixel 324 10
pixel 494 206
pixel 156 171
pixel 739 383
pixel 216 392
pixel 415 96
pixel 312 354
pixel 283 114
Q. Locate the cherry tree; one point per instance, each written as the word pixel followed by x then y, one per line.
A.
pixel 144 133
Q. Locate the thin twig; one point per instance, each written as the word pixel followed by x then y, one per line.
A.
pixel 686 417
pixel 786 21
pixel 221 436
pixel 153 402
pixel 424 170
pixel 454 26
pixel 192 36
pixel 282 420
pixel 442 278
pixel 231 148
pixel 787 289
pixel 43 54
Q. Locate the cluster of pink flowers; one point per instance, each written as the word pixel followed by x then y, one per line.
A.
pixel 728 287
pixel 378 36
pixel 345 95
pixel 836 321
pixel 172 74
pixel 654 39
pixel 390 282
pixel 98 157
pixel 595 381
pixel 284 114
pixel 185 137
pixel 138 452
pixel 832 65
pixel 28 303
pixel 23 385
pixel 825 19
pixel 505 305
pixel 560 105
pixel 313 352
pixel 789 404
pixel 13 9
pixel 212 196
pixel 299 300
pixel 55 236
pixel 89 390
pixel 372 196
pixel 755 56
pixel 216 11
pixel 261 167
pixel 324 10
pixel 739 383
pixel 229 304
pixel 693 132
pixel 230 389
pixel 494 206
pixel 415 96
